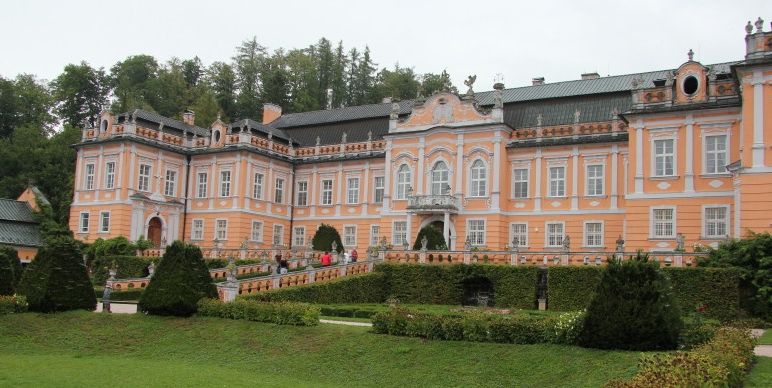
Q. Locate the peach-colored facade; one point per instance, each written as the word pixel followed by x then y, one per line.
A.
pixel 690 154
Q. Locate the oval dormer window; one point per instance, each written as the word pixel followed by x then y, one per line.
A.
pixel 216 136
pixel 103 127
pixel 691 85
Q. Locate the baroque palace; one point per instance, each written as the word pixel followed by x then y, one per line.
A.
pixel 662 159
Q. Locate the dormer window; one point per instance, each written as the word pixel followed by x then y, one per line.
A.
pixel 690 85
pixel 216 136
pixel 103 126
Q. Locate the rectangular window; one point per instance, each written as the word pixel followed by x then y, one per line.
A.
pixel 109 175
pixel 399 235
pixel 104 222
pixel 84 222
pixel 557 181
pixel 715 154
pixel 278 196
pixel 89 183
pixel 476 232
pixel 302 198
pixel 593 234
pixel 170 188
pixel 221 230
pixel 327 192
pixel 595 179
pixel 299 238
pixel 403 182
pixel 520 234
pixel 520 177
pixel 379 184
pixel 144 177
pixel 350 236
pixel 225 183
pixel 716 222
pixel 257 231
pixel 197 230
pixel 554 234
pixel 375 231
pixel 664 157
pixel 664 223
pixel 278 235
pixel 257 189
pixel 353 191
pixel 201 189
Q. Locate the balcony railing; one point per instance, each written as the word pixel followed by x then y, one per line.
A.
pixel 433 203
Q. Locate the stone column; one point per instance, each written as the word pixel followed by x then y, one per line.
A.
pixel 446 229
pixel 758 146
pixel 689 162
pixel 638 156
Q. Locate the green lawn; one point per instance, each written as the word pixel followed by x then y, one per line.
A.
pixel 88 349
pixel 766 338
pixel 761 374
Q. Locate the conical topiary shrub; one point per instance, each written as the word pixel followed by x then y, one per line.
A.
pixel 434 238
pixel 56 280
pixel 179 282
pixel 633 309
pixel 324 237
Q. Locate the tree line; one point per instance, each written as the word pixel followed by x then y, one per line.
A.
pixel 39 120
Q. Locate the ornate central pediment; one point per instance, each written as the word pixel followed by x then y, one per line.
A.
pixel 443 109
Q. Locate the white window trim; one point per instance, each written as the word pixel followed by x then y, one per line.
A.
pixel 255 185
pixel 527 181
pixel 149 178
pixel 653 154
pixel 377 235
pixel 549 181
pixel 297 193
pixel 166 180
pixel 486 171
pixel 602 233
pixel 394 234
pixel 276 188
pixel 322 190
pixel 587 179
pixel 409 182
pixel 216 229
pixel 547 233
pixel 430 176
pixel 652 236
pixel 280 234
pixel 114 174
pixel 93 177
pixel 193 229
pixel 527 237
pixel 252 228
pixel 109 221
pixel 204 194
pixel 230 184
pixel 704 229
pixel 348 190
pixel 375 188
pixel 295 235
pixel 484 231
pixel 707 132
pixel 80 222
pixel 355 235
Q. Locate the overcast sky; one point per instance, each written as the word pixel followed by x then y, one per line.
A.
pixel 521 40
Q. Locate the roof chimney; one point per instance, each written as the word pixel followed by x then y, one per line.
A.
pixel 189 117
pixel 593 75
pixel 271 112
pixel 537 81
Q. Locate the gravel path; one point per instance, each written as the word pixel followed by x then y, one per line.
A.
pixel 348 323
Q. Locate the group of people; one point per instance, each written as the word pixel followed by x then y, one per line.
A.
pixel 282 266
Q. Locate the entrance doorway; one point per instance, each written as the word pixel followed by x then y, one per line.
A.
pixel 154 227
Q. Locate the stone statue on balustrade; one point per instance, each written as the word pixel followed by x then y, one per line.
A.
pixel 334 246
pixel 680 242
pixel 151 269
pixel 424 243
pixel 514 246
pixel 567 243
pixel 620 244
pixel 384 243
pixel 468 244
pixel 113 271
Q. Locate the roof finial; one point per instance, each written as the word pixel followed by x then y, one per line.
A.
pixel 577 113
pixel 759 24
pixel 690 54
pixel 318 140
pixel 748 28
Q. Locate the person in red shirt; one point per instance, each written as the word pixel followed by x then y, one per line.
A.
pixel 354 255
pixel 326 259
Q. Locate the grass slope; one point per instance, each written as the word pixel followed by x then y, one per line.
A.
pixel 89 349
pixel 766 338
pixel 761 374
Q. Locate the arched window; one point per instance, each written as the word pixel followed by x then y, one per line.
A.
pixel 440 179
pixel 403 181
pixel 103 127
pixel 478 179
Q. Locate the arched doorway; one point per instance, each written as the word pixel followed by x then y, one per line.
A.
pixel 438 221
pixel 154 228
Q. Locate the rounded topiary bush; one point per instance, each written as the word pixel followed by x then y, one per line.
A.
pixel 324 237
pixel 633 308
pixel 434 238
pixel 179 282
pixel 57 280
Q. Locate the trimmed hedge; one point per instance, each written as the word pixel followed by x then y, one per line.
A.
pixel 430 284
pixel 281 313
pixel 366 288
pixel 477 327
pixel 714 290
pixel 718 289
pixel 13 304
pixel 571 288
pixel 128 267
pixel 721 362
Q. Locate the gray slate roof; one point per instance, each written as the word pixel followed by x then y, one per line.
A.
pixel 17 224
pixel 167 122
pixel 561 110
pixel 259 127
pixel 332 133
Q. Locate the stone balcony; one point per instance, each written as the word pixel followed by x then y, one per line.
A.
pixel 433 203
